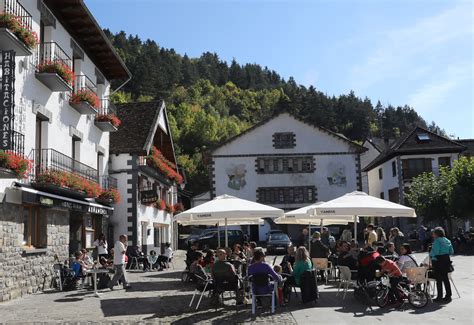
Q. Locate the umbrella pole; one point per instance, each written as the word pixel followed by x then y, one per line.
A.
pixel 309 238
pixel 226 239
pixel 355 229
pixel 218 236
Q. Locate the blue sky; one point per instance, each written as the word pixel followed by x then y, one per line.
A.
pixel 415 52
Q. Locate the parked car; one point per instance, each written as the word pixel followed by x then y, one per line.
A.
pixel 278 243
pixel 274 231
pixel 194 237
pixel 210 240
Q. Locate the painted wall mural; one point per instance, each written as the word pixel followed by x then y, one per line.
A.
pixel 336 174
pixel 236 174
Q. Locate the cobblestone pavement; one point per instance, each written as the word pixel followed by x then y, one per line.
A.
pixel 161 298
pixel 155 297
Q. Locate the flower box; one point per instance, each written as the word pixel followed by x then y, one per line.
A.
pixel 158 161
pixel 107 122
pixel 14 35
pixel 13 165
pixel 109 196
pixel 67 184
pixel 84 101
pixel 56 75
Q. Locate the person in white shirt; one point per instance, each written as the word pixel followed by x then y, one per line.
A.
pixel 166 257
pixel 120 250
pixel 372 235
pixel 406 260
pixel 102 247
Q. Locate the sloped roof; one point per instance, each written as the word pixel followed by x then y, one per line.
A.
pixel 81 24
pixel 359 147
pixel 143 125
pixel 469 144
pixel 409 144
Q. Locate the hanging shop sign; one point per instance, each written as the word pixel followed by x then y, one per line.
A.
pixel 7 104
pixel 148 196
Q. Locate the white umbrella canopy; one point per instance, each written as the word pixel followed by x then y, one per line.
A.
pixel 220 222
pixel 226 207
pixel 361 204
pixel 229 207
pixel 313 221
pixel 354 204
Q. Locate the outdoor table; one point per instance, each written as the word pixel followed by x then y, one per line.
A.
pixel 95 272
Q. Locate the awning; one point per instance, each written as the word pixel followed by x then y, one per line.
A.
pixel 50 200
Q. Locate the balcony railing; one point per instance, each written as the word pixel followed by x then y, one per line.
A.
pixel 18 143
pixel 106 107
pixel 52 160
pixel 13 7
pixel 52 52
pixel 83 82
pixel 108 182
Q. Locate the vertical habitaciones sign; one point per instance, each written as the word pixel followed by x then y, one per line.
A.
pixel 7 104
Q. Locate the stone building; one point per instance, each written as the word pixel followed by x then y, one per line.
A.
pixel 286 163
pixel 56 67
pixel 143 161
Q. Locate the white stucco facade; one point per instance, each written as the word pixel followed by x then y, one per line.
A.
pixel 335 164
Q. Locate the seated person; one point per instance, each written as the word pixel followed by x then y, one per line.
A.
pixel 237 253
pixel 390 252
pixel 318 249
pixel 223 269
pixel 406 259
pixel 153 259
pixel 86 258
pixel 166 257
pixel 302 264
pixel 78 265
pixel 345 257
pixel 190 254
pixel 208 260
pixel 196 267
pixel 288 258
pixel 390 268
pixel 380 247
pixel 260 267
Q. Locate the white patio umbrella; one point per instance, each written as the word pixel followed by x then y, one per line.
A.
pixel 226 207
pixel 355 204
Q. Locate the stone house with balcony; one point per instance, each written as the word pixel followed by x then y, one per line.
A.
pixel 143 160
pixel 286 163
pixel 397 162
pixel 56 66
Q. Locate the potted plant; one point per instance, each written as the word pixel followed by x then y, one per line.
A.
pixel 157 160
pixel 24 34
pixel 169 208
pixel 13 164
pixel 160 205
pixel 179 207
pixel 107 122
pixel 85 101
pixel 59 68
pixel 67 183
pixel 110 196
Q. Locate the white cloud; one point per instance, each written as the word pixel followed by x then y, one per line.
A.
pixel 413 48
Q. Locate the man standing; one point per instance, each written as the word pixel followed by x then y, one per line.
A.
pixel 372 235
pixel 119 263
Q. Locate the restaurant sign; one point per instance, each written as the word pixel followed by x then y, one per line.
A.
pixel 85 208
pixel 148 196
pixel 7 104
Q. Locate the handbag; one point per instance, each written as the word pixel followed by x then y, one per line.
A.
pixel 451 267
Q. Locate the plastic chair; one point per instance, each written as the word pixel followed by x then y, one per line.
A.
pixel 134 262
pixel 418 275
pixel 57 276
pixel 228 283
pixel 202 285
pixel 322 264
pixel 262 281
pixel 345 274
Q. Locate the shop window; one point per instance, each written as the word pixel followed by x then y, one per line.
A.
pixel 34 228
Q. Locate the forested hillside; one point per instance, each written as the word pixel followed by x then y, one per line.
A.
pixel 209 100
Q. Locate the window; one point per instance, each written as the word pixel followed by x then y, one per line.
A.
pixel 382 195
pixel 415 167
pixel 444 161
pixel 394 168
pixel 285 165
pixel 423 137
pixel 283 140
pixel 380 173
pixel 282 195
pixel 34 228
pixel 156 237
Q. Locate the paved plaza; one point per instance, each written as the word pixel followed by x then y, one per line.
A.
pixel 161 297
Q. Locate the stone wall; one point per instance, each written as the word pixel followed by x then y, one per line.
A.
pixel 22 273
